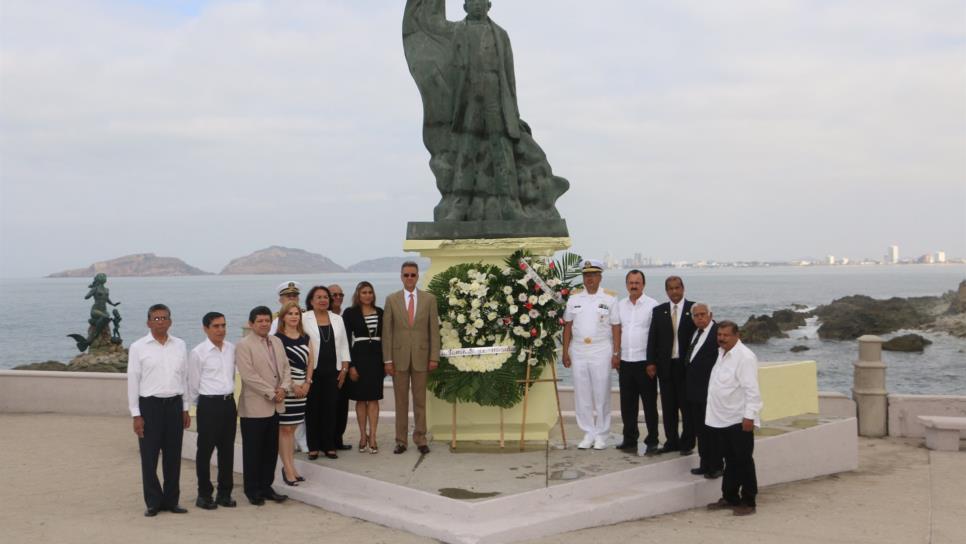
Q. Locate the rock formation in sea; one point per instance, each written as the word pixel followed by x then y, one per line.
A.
pixel 759 328
pixel 137 265
pixel 281 260
pixel 906 342
pixel 386 264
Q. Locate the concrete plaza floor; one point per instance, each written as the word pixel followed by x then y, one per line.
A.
pixel 77 479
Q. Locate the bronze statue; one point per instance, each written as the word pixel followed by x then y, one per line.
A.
pixel 100 318
pixel 486 163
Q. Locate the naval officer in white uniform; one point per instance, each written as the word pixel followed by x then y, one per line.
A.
pixel 591 346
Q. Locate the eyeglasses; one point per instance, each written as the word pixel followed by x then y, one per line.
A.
pixel 159 318
pixel 409 275
pixel 338 295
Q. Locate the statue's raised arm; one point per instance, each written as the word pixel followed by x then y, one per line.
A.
pixel 427 41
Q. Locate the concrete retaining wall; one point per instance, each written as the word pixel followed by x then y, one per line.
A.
pixel 81 393
pixel 904 412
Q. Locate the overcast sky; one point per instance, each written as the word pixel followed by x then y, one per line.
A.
pixel 689 129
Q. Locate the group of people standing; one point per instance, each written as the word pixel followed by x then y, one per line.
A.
pixel 298 368
pixel 708 379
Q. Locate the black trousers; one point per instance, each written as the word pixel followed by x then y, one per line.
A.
pixel 341 411
pixel 708 448
pixel 216 430
pixel 163 432
pixel 740 483
pixel 320 410
pixel 637 388
pixel 674 407
pixel 259 454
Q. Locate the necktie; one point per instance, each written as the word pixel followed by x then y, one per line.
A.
pixel 674 330
pixel 411 309
pixel 697 334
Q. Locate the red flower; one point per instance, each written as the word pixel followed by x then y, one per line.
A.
pixel 560 321
pixel 523 265
pixel 552 265
pixel 534 332
pixel 528 306
pixel 565 291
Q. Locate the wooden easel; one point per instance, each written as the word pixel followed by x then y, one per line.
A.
pixel 526 396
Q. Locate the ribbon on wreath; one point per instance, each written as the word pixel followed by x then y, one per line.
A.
pixel 472 352
pixel 531 274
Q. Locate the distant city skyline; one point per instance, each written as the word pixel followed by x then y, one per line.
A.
pixel 688 130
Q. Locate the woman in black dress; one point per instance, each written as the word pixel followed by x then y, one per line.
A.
pixel 363 323
pixel 297 350
pixel 327 340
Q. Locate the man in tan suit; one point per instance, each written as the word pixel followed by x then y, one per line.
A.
pixel 265 378
pixel 410 349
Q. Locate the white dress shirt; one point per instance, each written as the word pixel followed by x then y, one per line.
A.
pixel 733 393
pixel 156 370
pixel 635 323
pixel 702 336
pixel 211 371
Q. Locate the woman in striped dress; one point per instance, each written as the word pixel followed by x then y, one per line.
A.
pixel 297 349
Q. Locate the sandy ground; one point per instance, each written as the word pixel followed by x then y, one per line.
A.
pixel 77 479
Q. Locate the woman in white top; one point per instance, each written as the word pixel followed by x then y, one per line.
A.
pixel 327 339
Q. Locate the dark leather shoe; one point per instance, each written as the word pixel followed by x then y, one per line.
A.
pixel 627 446
pixel 664 449
pixel 698 471
pixel 176 509
pixel 721 505
pixel 151 512
pixel 205 503
pixel 256 501
pixel 744 510
pixel 400 448
pixel 227 502
pixel 424 449
pixel 714 474
pixel 685 453
pixel 331 455
pixel 344 447
pixel 273 496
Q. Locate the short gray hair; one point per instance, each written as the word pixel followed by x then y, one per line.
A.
pixel 696 304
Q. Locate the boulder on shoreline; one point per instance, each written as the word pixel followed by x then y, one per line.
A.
pixel 850 317
pixel 789 320
pixel 799 348
pixel 46 365
pixel 906 342
pixel 759 328
pixel 958 304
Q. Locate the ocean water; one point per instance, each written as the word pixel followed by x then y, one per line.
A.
pixel 39 313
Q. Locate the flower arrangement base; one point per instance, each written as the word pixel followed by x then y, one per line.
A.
pixel 475 422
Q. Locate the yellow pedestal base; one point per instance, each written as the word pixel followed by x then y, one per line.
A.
pixel 475 422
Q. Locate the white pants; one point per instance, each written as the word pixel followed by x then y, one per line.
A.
pixel 591 375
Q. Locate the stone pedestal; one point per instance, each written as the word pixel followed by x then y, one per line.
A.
pixel 869 388
pixel 475 422
pixel 103 355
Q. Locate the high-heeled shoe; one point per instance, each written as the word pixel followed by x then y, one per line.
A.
pixel 331 455
pixel 313 455
pixel 299 479
pixel 292 483
pixel 363 445
pixel 373 447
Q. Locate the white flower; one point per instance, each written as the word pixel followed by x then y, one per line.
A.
pixel 509 299
pixel 471 331
pixel 478 323
pixel 532 299
pixel 538 342
pixel 494 305
pixel 507 290
pixel 534 314
pixel 522 297
pixel 453 301
pixel 543 299
pixel 513 309
pixel 553 282
pixel 552 313
pixel 461 319
pixel 543 333
pixel 452 281
pixel 518 330
pixel 480 342
pixel 476 303
pixel 461 303
pixel 522 356
pixel 506 271
pixel 524 319
pixel 491 316
pixel 475 286
pixel 523 282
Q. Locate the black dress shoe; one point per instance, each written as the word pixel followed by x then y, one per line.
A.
pixel 273 496
pixel 176 509
pixel 714 474
pixel 206 503
pixel 698 471
pixel 685 453
pixel 331 455
pixel 226 501
pixel 627 446
pixel 151 512
pixel 424 449
pixel 344 447
pixel 664 449
pixel 256 501
pixel 400 448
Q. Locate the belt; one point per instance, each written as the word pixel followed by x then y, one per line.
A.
pixel 229 396
pixel 366 339
pixel 164 399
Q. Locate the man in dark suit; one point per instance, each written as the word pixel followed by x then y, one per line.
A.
pixel 667 341
pixel 701 356
pixel 410 349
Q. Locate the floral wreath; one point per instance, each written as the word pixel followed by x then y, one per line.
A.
pixel 501 319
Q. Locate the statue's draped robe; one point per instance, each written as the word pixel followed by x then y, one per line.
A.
pixel 486 163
